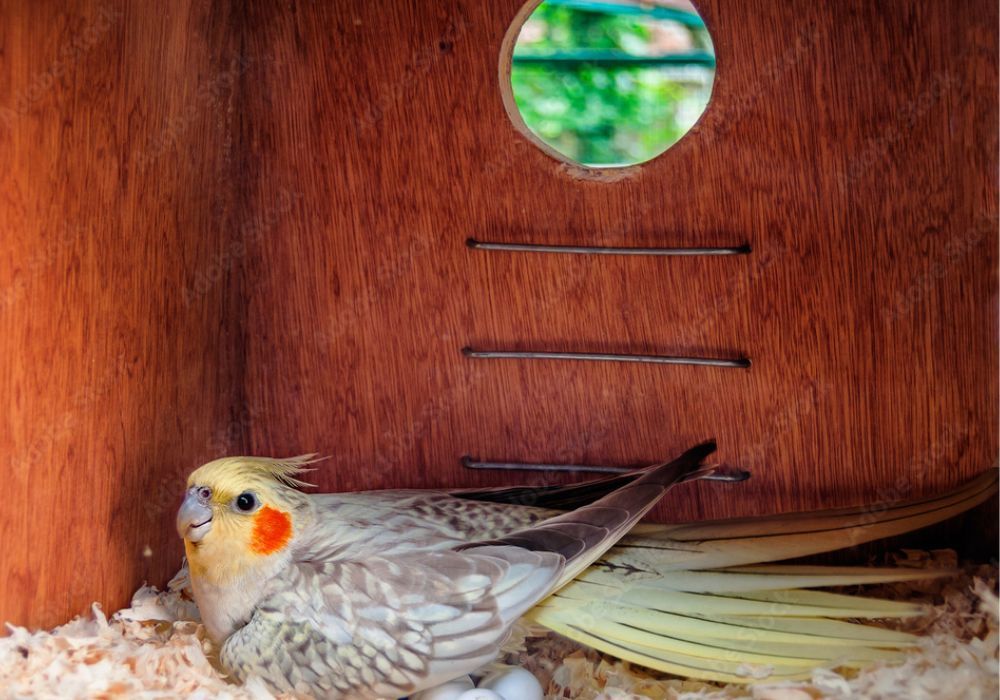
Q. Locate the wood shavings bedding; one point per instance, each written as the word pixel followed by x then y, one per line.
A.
pixel 156 648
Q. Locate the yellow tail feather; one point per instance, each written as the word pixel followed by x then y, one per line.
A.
pixel 727 543
pixel 697 600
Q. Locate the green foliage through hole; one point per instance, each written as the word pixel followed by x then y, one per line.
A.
pixel 609 84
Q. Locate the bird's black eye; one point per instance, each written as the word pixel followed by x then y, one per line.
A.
pixel 246 502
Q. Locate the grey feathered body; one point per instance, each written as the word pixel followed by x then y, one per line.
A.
pixel 395 591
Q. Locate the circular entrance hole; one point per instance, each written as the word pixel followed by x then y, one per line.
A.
pixel 607 83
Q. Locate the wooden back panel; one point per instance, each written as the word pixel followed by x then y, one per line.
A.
pixel 272 203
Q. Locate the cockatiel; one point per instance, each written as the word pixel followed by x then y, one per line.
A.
pixel 384 593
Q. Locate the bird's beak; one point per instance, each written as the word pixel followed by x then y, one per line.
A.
pixel 194 519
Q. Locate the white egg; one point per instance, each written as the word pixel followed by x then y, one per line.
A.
pixel 480 694
pixel 452 690
pixel 513 683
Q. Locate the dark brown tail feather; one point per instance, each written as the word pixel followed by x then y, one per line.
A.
pixel 569 496
pixel 597 526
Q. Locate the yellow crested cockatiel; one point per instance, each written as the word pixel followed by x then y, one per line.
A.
pixel 385 593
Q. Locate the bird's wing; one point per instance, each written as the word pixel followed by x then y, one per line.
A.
pixel 584 534
pixel 358 525
pixel 554 496
pixel 389 626
pixel 561 497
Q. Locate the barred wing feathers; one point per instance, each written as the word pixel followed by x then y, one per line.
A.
pixel 385 627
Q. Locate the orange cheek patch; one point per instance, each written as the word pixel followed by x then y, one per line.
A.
pixel 271 530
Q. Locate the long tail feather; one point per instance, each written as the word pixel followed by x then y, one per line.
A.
pixel 798 630
pixel 711 662
pixel 784 603
pixel 726 543
pixel 788 645
pixel 760 579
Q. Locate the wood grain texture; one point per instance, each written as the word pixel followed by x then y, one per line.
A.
pixel 271 202
pixel 117 190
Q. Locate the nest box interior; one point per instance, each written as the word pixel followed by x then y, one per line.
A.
pixel 241 227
